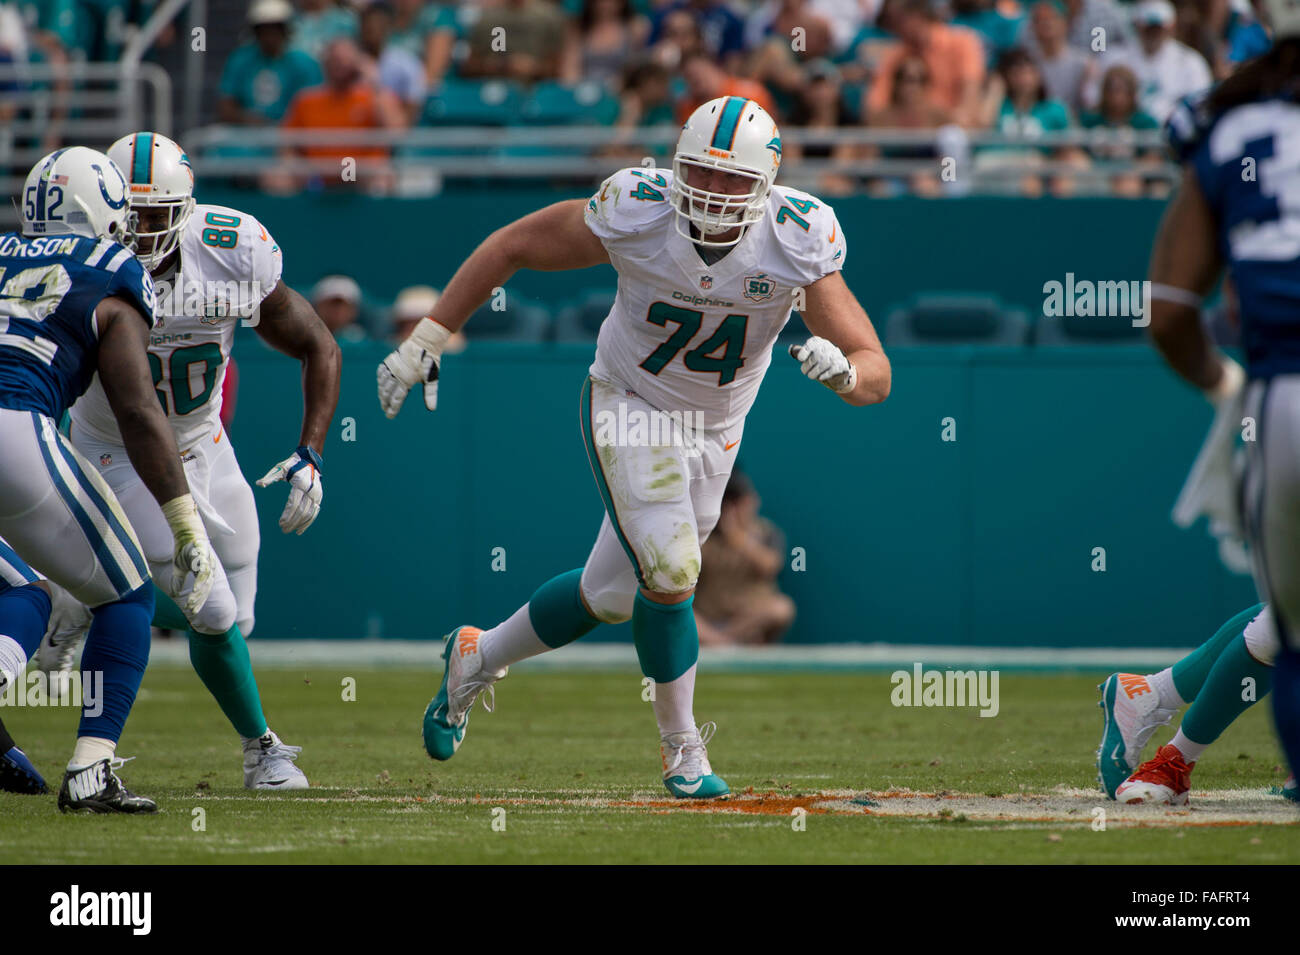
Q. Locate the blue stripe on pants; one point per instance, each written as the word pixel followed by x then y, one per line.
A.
pixel 123 534
pixel 19 566
pixel 97 543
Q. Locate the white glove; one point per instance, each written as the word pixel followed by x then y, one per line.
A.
pixel 192 557
pixel 416 359
pixel 1211 485
pixel 822 361
pixel 302 470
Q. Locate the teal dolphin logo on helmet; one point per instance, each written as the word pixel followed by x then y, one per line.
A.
pixel 731 135
pixel 162 180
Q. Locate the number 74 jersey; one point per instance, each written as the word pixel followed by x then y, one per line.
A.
pixel 228 264
pixel 687 335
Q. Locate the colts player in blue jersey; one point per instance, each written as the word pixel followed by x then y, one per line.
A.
pixel 74 300
pixel 1239 207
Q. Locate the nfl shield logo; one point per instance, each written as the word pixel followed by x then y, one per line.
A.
pixel 105 460
pixel 706 281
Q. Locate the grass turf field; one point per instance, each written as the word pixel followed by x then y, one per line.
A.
pixel 571 759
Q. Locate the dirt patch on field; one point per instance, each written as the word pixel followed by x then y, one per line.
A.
pixel 763 804
pixel 1061 806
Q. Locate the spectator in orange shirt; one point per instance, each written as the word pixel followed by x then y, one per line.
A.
pixel 954 57
pixel 350 98
pixel 706 80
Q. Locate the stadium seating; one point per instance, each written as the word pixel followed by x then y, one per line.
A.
pixel 473 103
pixel 580 320
pixel 555 104
pixel 522 320
pixel 1052 330
pixel 955 319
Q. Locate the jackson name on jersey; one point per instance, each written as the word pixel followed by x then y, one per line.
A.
pixel 49 289
pixel 687 335
pixel 228 265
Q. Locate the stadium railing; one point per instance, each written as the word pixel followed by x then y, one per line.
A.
pixel 80 103
pixel 424 160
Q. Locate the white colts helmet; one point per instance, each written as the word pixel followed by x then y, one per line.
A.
pixel 160 176
pixel 736 135
pixel 77 191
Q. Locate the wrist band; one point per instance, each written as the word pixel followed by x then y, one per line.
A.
pixel 312 457
pixel 430 335
pixel 182 514
pixel 1170 293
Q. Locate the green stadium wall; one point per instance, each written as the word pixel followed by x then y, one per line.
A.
pixel 896 247
pixel 985 540
pixel 907 538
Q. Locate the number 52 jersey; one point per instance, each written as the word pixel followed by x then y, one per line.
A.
pixel 687 335
pixel 228 265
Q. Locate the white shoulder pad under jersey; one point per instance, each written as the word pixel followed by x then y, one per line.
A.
pixel 630 213
pixel 232 258
pixel 809 243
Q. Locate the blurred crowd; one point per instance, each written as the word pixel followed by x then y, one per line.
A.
pixel 1020 67
pixel 355 318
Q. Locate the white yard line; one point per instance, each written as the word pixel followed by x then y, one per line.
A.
pixel 289 654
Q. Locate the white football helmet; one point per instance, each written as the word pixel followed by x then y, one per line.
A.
pixel 160 177
pixel 736 135
pixel 77 191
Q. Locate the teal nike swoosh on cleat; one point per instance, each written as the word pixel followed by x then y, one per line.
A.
pixel 1112 767
pixel 711 786
pixel 441 739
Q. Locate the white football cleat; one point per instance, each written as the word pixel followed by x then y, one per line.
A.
pixel 69 623
pixel 463 680
pixel 1132 713
pixel 268 764
pixel 687 773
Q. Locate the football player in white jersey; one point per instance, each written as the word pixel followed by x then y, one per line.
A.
pixel 214 267
pixel 711 256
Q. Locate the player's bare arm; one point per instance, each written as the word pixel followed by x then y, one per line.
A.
pixel 150 444
pixel 832 312
pixel 1185 263
pixel 124 371
pixel 551 239
pixel 291 326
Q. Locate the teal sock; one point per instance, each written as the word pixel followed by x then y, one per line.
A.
pixel 1191 671
pixel 1220 700
pixel 667 641
pixel 557 612
pixel 222 663
pixel 166 615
